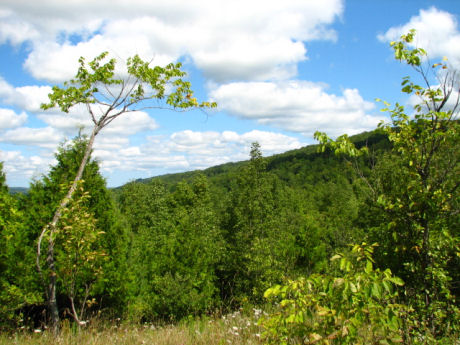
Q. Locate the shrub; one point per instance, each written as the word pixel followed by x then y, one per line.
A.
pixel 357 307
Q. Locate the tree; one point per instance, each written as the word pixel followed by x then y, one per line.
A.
pixel 415 188
pixel 259 232
pixel 175 251
pixel 80 260
pixel 17 286
pixel 96 213
pixel 106 98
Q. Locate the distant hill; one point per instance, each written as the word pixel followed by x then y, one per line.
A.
pixel 276 163
pixel 18 190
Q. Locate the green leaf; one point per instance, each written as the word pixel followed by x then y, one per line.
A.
pixel 368 266
pixel 397 281
pixel 377 290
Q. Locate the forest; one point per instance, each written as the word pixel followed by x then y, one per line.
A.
pixel 351 241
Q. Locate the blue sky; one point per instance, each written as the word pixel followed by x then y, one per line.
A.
pixel 279 71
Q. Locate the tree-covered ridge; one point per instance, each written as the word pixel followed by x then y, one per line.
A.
pixel 277 163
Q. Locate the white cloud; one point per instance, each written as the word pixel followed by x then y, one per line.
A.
pixel 20 168
pixel 9 119
pixel 437 33
pixel 46 137
pixel 270 142
pixel 227 40
pixel 181 151
pixel 78 118
pixel 15 30
pixel 70 123
pixel 28 98
pixel 130 123
pixel 189 150
pixel 297 106
pixel 113 143
pixel 210 143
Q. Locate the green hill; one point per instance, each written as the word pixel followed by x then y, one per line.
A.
pixel 284 164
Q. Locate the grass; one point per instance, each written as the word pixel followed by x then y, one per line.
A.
pixel 234 328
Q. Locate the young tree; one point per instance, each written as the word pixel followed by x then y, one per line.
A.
pixel 415 188
pixel 107 97
pixel 259 233
pixel 95 214
pixel 80 258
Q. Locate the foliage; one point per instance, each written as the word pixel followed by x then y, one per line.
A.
pixel 184 245
pixel 175 251
pixel 96 212
pixel 79 260
pixel 414 191
pixel 259 231
pixel 356 307
pixel 92 83
pixel 106 97
pixel 262 225
pixel 16 279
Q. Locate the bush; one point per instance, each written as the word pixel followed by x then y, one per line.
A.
pixel 358 307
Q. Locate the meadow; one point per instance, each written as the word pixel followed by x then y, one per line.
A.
pixel 236 328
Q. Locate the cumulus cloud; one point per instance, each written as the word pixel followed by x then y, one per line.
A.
pixel 131 123
pixel 20 168
pixel 180 151
pixel 113 143
pixel 15 30
pixel 78 118
pixel 297 106
pixel 46 137
pixel 28 98
pixel 226 40
pixel 217 143
pixel 189 150
pixel 9 119
pixel 437 33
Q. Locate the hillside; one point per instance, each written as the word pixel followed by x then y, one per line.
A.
pixel 283 164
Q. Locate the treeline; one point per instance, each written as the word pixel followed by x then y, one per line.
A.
pixel 165 250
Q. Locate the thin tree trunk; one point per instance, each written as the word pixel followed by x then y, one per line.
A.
pixel 52 301
pixel 51 227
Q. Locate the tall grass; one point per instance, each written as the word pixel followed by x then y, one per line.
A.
pixel 229 329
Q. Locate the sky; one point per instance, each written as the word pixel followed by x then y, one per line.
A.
pixel 278 70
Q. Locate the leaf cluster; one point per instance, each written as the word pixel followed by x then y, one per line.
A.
pixel 357 307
